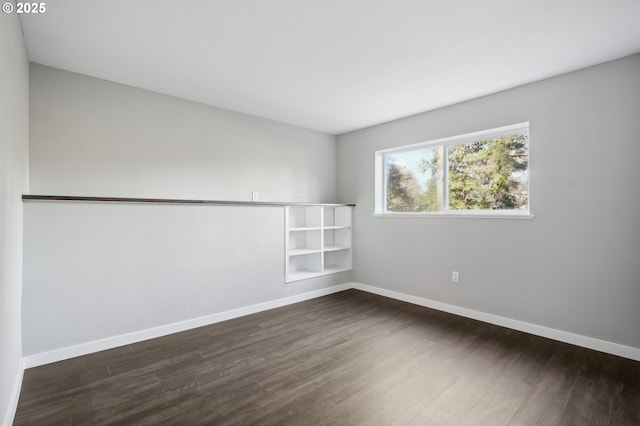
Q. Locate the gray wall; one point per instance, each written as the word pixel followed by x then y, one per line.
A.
pixel 14 156
pixel 576 266
pixel 93 137
pixel 99 270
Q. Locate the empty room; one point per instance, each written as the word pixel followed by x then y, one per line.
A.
pixel 357 212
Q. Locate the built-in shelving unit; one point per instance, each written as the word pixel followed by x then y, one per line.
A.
pixel 318 241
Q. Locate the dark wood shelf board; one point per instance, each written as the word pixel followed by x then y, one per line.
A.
pixel 30 197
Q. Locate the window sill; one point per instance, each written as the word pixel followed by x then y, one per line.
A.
pixel 456 215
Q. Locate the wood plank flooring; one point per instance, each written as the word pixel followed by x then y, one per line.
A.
pixel 351 358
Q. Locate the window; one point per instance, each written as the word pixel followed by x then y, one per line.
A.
pixel 484 172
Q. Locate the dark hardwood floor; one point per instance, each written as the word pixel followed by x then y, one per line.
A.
pixel 351 358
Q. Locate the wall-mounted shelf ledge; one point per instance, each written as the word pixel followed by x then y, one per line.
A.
pixel 28 197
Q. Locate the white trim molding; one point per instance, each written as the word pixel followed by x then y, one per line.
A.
pixel 38 359
pixel 460 215
pixel 15 396
pixel 138 336
pixel 538 330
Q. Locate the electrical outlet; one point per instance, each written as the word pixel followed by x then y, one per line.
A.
pixel 455 277
pixel 255 196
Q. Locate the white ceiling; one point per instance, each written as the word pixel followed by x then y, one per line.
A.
pixel 330 65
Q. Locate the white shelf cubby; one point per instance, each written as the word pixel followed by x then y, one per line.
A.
pixel 318 241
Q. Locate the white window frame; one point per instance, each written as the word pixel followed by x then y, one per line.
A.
pixel 381 176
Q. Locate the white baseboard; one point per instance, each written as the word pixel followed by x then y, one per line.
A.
pixel 15 396
pixel 551 333
pixel 151 333
pixel 138 336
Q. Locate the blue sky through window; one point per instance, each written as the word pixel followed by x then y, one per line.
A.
pixel 412 161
